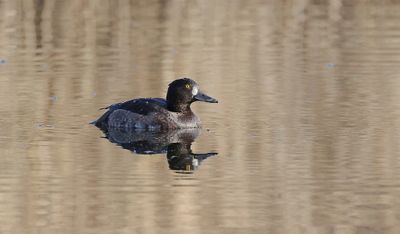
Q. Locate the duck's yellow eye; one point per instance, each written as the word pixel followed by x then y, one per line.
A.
pixel 187 86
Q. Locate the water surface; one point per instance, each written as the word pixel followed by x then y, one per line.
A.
pixel 306 131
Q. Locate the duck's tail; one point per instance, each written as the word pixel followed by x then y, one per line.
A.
pixel 103 120
pixel 105 108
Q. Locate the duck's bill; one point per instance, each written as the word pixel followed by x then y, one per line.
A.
pixel 204 98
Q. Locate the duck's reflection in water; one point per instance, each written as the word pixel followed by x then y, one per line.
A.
pixel 175 143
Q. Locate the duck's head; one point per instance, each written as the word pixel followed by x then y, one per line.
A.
pixel 183 92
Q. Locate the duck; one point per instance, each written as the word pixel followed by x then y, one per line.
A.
pixel 174 112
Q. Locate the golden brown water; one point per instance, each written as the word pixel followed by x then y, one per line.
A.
pixel 307 128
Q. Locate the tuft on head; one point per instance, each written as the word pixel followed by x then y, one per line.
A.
pixel 182 82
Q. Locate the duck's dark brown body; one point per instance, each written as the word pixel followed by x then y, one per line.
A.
pixel 158 113
pixel 147 113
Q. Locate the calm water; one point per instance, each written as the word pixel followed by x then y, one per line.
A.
pixel 306 131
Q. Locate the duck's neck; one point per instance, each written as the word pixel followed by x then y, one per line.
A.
pixel 179 107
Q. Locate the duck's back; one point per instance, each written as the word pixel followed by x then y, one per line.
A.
pixel 142 106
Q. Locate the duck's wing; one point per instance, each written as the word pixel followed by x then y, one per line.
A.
pixel 142 106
